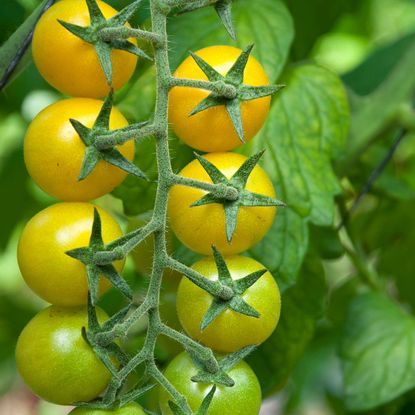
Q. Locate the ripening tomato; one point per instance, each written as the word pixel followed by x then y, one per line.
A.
pixel 47 270
pixel 244 398
pixel 70 64
pixel 212 129
pixel 55 361
pixel 130 409
pixel 230 331
pixel 54 152
pixel 201 227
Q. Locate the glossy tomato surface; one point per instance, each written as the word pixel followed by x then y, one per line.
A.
pixel 244 398
pixel 54 152
pixel 55 361
pixel 68 63
pixel 212 129
pixel 201 227
pixel 230 331
pixel 47 270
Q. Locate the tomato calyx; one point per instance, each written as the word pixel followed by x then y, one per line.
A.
pixel 93 155
pixel 235 78
pixel 236 302
pixel 104 46
pixel 94 271
pixel 238 182
pixel 220 377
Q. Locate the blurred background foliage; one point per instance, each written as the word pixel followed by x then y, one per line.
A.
pixel 365 42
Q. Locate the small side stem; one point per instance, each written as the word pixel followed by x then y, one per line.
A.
pixel 204 353
pixel 192 4
pixel 124 32
pixel 214 288
pixel 124 245
pixel 121 329
pixel 122 135
pixel 222 191
pixel 220 88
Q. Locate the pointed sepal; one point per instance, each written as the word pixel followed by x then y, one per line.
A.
pixel 224 10
pixel 211 73
pixel 122 17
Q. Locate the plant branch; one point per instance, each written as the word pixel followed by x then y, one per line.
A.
pixel 204 353
pixel 110 33
pixel 124 245
pixel 120 136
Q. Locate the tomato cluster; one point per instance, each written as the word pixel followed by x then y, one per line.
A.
pixel 52 356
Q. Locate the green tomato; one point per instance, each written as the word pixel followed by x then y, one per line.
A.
pixel 130 409
pixel 230 331
pixel 54 359
pixel 244 397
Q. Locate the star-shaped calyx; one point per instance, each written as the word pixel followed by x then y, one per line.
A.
pixel 221 377
pixel 236 302
pixel 237 181
pixel 94 271
pixel 102 46
pixel 235 78
pixel 111 155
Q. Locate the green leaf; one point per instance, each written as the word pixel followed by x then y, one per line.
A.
pixel 17 42
pixel 302 305
pixel 267 24
pixel 306 128
pixel 375 112
pixel 377 352
pixel 313 18
pixel 364 79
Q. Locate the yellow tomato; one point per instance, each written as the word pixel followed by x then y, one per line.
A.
pixel 47 270
pixel 70 64
pixel 230 331
pixel 54 152
pixel 212 129
pixel 201 227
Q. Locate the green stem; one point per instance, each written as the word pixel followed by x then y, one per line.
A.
pixel 220 88
pixel 214 288
pixel 204 353
pixel 110 33
pixel 222 191
pixel 192 4
pixel 118 137
pixel 121 329
pixel 124 245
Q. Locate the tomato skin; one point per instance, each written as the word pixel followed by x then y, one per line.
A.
pixel 203 226
pixel 47 270
pixel 244 397
pixel 130 409
pixel 231 331
pixel 54 152
pixel 212 129
pixel 68 63
pixel 54 359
